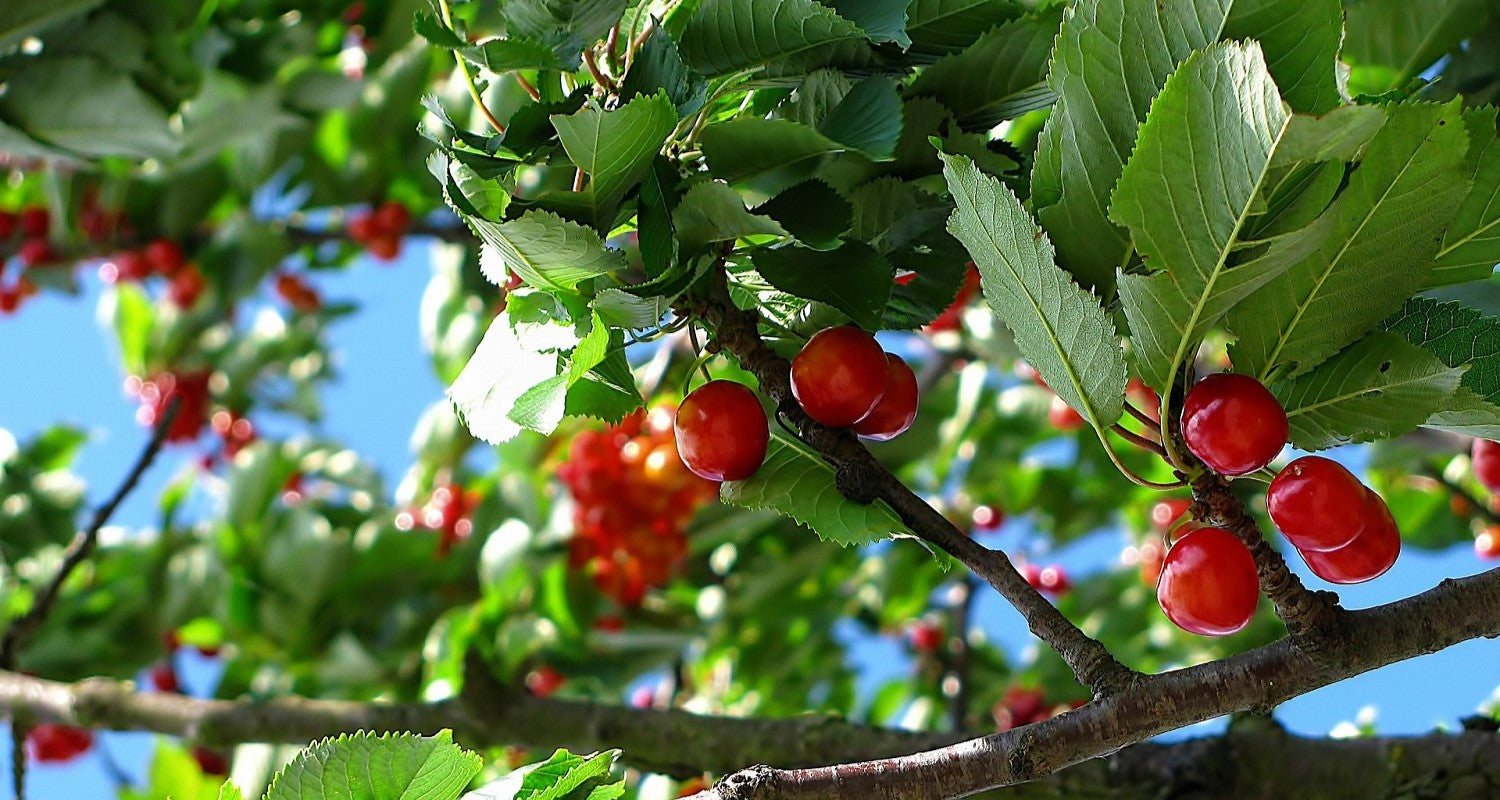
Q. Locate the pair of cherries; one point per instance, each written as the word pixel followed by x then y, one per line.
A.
pixel 1343 530
pixel 841 378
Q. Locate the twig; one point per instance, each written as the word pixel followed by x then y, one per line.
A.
pixel 1138 440
pixel 83 544
pixel 463 68
pixel 863 479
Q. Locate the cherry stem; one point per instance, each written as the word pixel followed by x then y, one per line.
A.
pixel 600 79
pixel 612 46
pixel 463 69
pixel 1143 417
pixel 1139 440
pixel 578 179
pixel 530 88
pixel 1131 474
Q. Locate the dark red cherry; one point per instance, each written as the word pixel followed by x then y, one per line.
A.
pixel 897 408
pixel 1233 423
pixel 840 375
pixel 1371 553
pixel 1317 503
pixel 1208 584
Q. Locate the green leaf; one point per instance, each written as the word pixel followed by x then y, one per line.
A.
pixel 19 18
pixel 512 360
pixel 85 106
pixel 230 792
pixel 546 250
pixel 854 279
pixel 1110 60
pixel 1208 171
pixel 867 120
pixel 1467 414
pixel 1060 328
pixel 941 27
pixel 615 148
pixel 581 22
pixel 364 766
pixel 712 212
pixel 1404 37
pixel 940 264
pixel 1457 335
pixel 1340 135
pixel 731 35
pixel 518 52
pixel 608 392
pixel 770 154
pixel 1386 228
pixel 796 482
pixel 430 27
pixel 1377 388
pixel 813 212
pixel 658 67
pixel 657 236
pixel 999 77
pixel 881 20
pixel 625 310
pixel 1301 41
pixel 1471 247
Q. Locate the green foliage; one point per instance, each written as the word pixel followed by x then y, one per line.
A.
pixel 364 766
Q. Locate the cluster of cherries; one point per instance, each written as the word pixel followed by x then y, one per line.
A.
pixel 447 512
pixel 31 223
pixel 1342 529
pixel 841 378
pixel 160 257
pixel 634 499
pixel 380 229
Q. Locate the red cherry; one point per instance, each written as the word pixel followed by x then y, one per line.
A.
pixel 34 221
pixel 1145 398
pixel 1487 543
pixel 1208 584
pixel 1053 580
pixel 839 376
pixel 55 744
pixel 1371 553
pixel 211 762
pixel 897 408
pixel 10 300
pixel 1019 706
pixel 384 246
pixel 171 640
pixel 186 287
pixel 7 224
pixel 987 518
pixel 1233 423
pixel 1062 416
pixel 36 252
pixel 925 637
pixel 949 320
pixel 544 680
pixel 1166 512
pixel 130 265
pixel 164 679
pixel 1317 503
pixel 208 651
pixel 392 218
pixel 297 293
pixel 1486 457
pixel 165 256
pixel 363 227
pixel 1151 558
pixel 1033 575
pixel 721 431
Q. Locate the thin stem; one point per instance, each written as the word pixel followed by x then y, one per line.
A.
pixel 600 79
pixel 578 179
pixel 83 544
pixel 530 88
pixel 1131 474
pixel 1138 440
pixel 1142 417
pixel 463 68
pixel 612 46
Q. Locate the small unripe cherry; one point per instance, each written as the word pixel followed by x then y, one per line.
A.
pixel 1208 584
pixel 1486 457
pixel 1233 423
pixel 1371 553
pixel 897 408
pixel 839 376
pixel 721 431
pixel 1317 504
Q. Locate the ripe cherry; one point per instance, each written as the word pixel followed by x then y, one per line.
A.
pixel 1487 543
pixel 1166 512
pixel 165 256
pixel 1062 416
pixel 721 431
pixel 897 408
pixel 384 247
pixel 1317 503
pixel 840 375
pixel 1053 580
pixel 1486 457
pixel 925 637
pixel 392 217
pixel 987 518
pixel 7 224
pixel 1233 423
pixel 186 286
pixel 164 678
pixel 1208 584
pixel 34 221
pixel 950 318
pixel 1371 553
pixel 55 744
pixel 211 762
pixel 544 680
pixel 36 252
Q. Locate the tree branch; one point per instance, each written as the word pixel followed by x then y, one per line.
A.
pixel 1311 617
pixel 863 479
pixel 1454 611
pixel 83 543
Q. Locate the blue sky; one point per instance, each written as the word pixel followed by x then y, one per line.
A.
pixel 59 368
